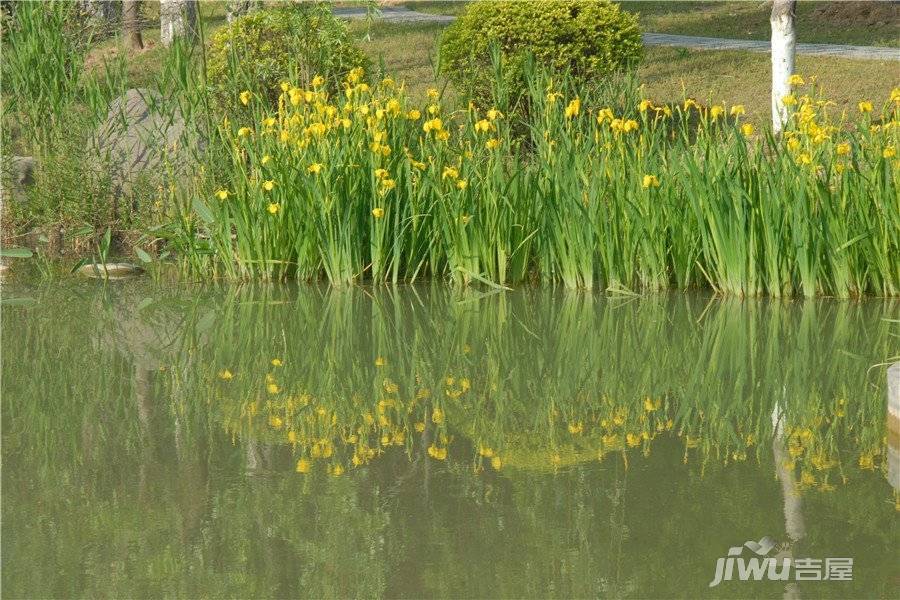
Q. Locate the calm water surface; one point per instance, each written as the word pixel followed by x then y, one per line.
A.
pixel 265 441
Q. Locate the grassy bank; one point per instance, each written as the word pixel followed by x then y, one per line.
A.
pixel 585 188
pixel 670 180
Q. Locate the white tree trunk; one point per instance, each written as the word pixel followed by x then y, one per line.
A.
pixel 784 42
pixel 177 18
pixel 238 8
pixel 101 11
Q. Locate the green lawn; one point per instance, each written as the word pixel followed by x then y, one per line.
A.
pixel 869 24
pixel 750 20
pixel 743 78
pixel 143 65
pixel 437 7
pixel 408 52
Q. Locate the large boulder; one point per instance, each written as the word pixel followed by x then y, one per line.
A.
pixel 145 139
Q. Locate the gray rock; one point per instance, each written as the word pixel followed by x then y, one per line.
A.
pixel 17 177
pixel 145 138
pixel 22 170
pixel 110 270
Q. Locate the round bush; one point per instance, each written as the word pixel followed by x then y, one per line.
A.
pixel 590 40
pixel 260 50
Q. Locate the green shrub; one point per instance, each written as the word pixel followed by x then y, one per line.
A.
pixel 591 40
pixel 260 50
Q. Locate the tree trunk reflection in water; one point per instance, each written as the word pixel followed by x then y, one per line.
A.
pixel 142 391
pixel 793 515
pixel 893 434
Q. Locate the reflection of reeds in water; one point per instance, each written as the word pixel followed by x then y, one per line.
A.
pixel 574 379
pixel 893 429
pixel 535 380
pixel 126 411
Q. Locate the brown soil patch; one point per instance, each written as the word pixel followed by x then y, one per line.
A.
pixel 883 13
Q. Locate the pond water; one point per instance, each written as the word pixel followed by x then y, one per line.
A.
pixel 281 441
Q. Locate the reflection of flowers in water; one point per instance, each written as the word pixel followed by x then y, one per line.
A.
pixel 341 433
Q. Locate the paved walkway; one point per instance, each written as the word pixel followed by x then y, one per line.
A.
pixel 404 15
pixel 707 43
pixel 395 15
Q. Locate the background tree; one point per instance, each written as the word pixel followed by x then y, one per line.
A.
pixel 177 18
pixel 131 23
pixel 100 11
pixel 100 16
pixel 784 42
pixel 236 8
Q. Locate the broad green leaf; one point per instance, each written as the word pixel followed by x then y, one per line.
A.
pixel 203 211
pixel 16 252
pixel 141 254
pixel 81 232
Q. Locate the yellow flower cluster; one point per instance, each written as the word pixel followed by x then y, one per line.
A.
pixel 311 128
pixel 360 181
